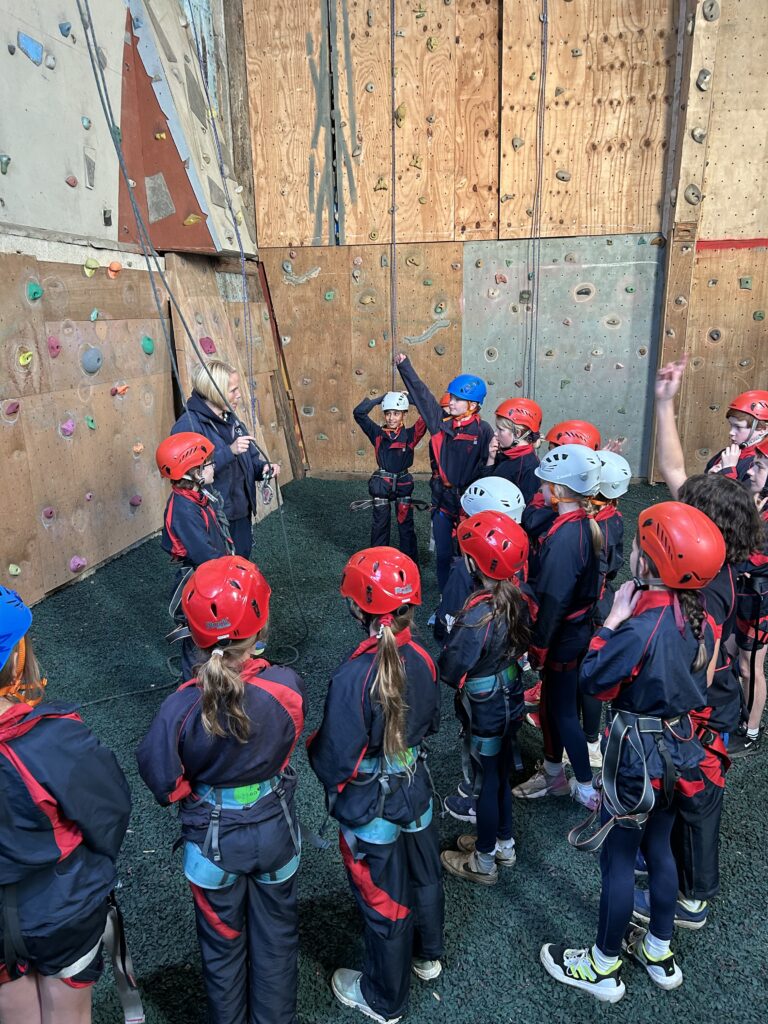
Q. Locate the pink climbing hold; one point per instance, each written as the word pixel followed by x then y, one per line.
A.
pixel 135 501
pixel 208 345
pixel 11 408
pixel 358 261
pixel 67 428
pixel 501 279
pixel 89 495
pixel 49 513
pixel 54 346
pixel 77 564
pixel 71 180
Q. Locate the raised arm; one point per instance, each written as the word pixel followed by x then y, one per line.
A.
pixel 423 399
pixel 669 451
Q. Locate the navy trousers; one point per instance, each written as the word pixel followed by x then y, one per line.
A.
pixel 242 536
pixel 445 545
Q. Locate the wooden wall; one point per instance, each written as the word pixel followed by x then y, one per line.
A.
pixel 469 85
pixel 74 454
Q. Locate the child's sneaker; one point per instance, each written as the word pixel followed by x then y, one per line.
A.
pixel 684 918
pixel 663 971
pixel 587 797
pixel 346 987
pixel 741 743
pixel 427 970
pixel 505 855
pixel 532 696
pixel 595 755
pixel 575 967
pixel 464 788
pixel 462 808
pixel 540 784
pixel 457 863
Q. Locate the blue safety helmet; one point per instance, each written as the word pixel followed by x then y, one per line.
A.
pixel 15 620
pixel 468 388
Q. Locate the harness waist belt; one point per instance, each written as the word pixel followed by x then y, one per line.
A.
pixel 376 763
pixel 647 723
pixel 236 798
pixel 380 832
pixel 484 684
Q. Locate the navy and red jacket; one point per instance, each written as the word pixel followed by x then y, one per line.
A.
pixel 191 532
pixel 518 465
pixel 536 520
pixel 737 472
pixel 752 590
pixel 64 810
pixel 353 728
pixel 724 697
pixel 458 449
pixel 178 754
pixel 567 586
pixel 644 667
pixel 235 474
pixel 394 448
pixel 611 524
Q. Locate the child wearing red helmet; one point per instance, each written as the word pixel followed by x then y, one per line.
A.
pixel 194 528
pixel 650 660
pixel 220 748
pixel 382 703
pixel 480 662
pixel 512 451
pixel 747 418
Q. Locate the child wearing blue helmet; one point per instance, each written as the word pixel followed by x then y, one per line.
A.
pixel 460 445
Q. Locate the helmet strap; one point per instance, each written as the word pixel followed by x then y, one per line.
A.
pixel 16 689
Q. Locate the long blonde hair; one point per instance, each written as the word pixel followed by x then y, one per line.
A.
pixel 390 681
pixel 220 678
pixel 586 502
pixel 22 676
pixel 507 604
pixel 207 388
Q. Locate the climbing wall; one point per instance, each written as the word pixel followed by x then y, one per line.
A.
pixel 333 313
pixel 85 397
pixel 586 347
pixel 211 304
pixel 480 124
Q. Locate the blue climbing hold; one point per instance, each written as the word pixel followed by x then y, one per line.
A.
pixel 30 47
pixel 91 360
pixel 65 27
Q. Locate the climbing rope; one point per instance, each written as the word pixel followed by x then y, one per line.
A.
pixel 393 208
pixel 152 260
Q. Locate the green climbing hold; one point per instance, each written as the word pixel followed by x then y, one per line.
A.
pixel 759 314
pixel 372 343
pixel 525 296
pixel 427 282
pixel 621 411
pixel 564 383
pixel 530 275
pixel 90 422
pixel 642 241
pixel 630 289
pixel 440 308
pixel 330 296
pixel 34 291
pixel 14 570
pixel 4 163
pixel 147 345
pixel 94 315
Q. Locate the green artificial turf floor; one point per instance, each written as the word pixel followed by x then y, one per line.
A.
pixel 103 638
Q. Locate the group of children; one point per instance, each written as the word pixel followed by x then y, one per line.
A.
pixel 526 552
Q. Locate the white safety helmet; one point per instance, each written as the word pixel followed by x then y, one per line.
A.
pixel 573 466
pixel 494 494
pixel 396 400
pixel 615 474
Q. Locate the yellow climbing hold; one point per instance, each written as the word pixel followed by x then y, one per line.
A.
pixel 193 218
pixel 25 357
pixel 14 570
pixel 90 266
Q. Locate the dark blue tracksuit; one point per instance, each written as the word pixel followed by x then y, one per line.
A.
pixel 752 597
pixel 611 524
pixel 192 534
pixel 245 902
pixel 489 704
pixel 518 465
pixel 64 809
pixel 459 450
pixel 458 587
pixel 387 837
pixel 739 471
pixel 392 482
pixel 536 521
pixel 567 588
pixel 643 668
pixel 235 475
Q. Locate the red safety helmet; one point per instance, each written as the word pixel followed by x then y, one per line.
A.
pixel 684 544
pixel 762 447
pixel 445 401
pixel 497 544
pixel 225 599
pixel 753 403
pixel 179 453
pixel 522 411
pixel 575 432
pixel 381 580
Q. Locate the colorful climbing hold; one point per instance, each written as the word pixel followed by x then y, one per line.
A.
pixel 25 357
pixel 90 266
pixel 65 27
pixel 119 390
pixel 50 61
pixel 357 261
pixel 89 495
pixel 4 163
pixel 745 283
pixel 440 308
pixel 759 314
pixel 135 501
pixel 67 428
pixel 94 315
pixel 630 289
pixel 501 279
pixel 77 564
pixel 372 343
pixel 30 47
pixel 428 282
pixel 14 570
pixel 49 513
pixel 138 448
pixel 208 345
pixel 86 123
pixel 54 346
pixel 114 269
pixel 147 345
pixel 91 360
pixel 193 218
pixel 160 136
pixel 71 180
pixel 11 408
pixel 34 291
pixel 90 422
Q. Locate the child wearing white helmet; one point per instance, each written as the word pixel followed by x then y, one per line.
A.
pixel 567 587
pixel 392 483
pixel 615 477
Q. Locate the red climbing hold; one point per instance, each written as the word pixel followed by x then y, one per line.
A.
pixel 208 345
pixel 135 501
pixel 49 513
pixel 71 180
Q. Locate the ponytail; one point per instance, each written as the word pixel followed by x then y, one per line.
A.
pixel 223 691
pixel 508 607
pixel 693 610
pixel 591 509
pixel 389 682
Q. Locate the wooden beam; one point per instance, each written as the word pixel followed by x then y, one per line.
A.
pixel 239 116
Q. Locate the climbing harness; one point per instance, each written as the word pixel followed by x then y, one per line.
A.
pixel 480 690
pixel 116 945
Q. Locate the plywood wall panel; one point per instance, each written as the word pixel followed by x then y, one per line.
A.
pixel 24 364
pixel 608 89
pixel 287 61
pixel 21 566
pixel 476 154
pixel 69 294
